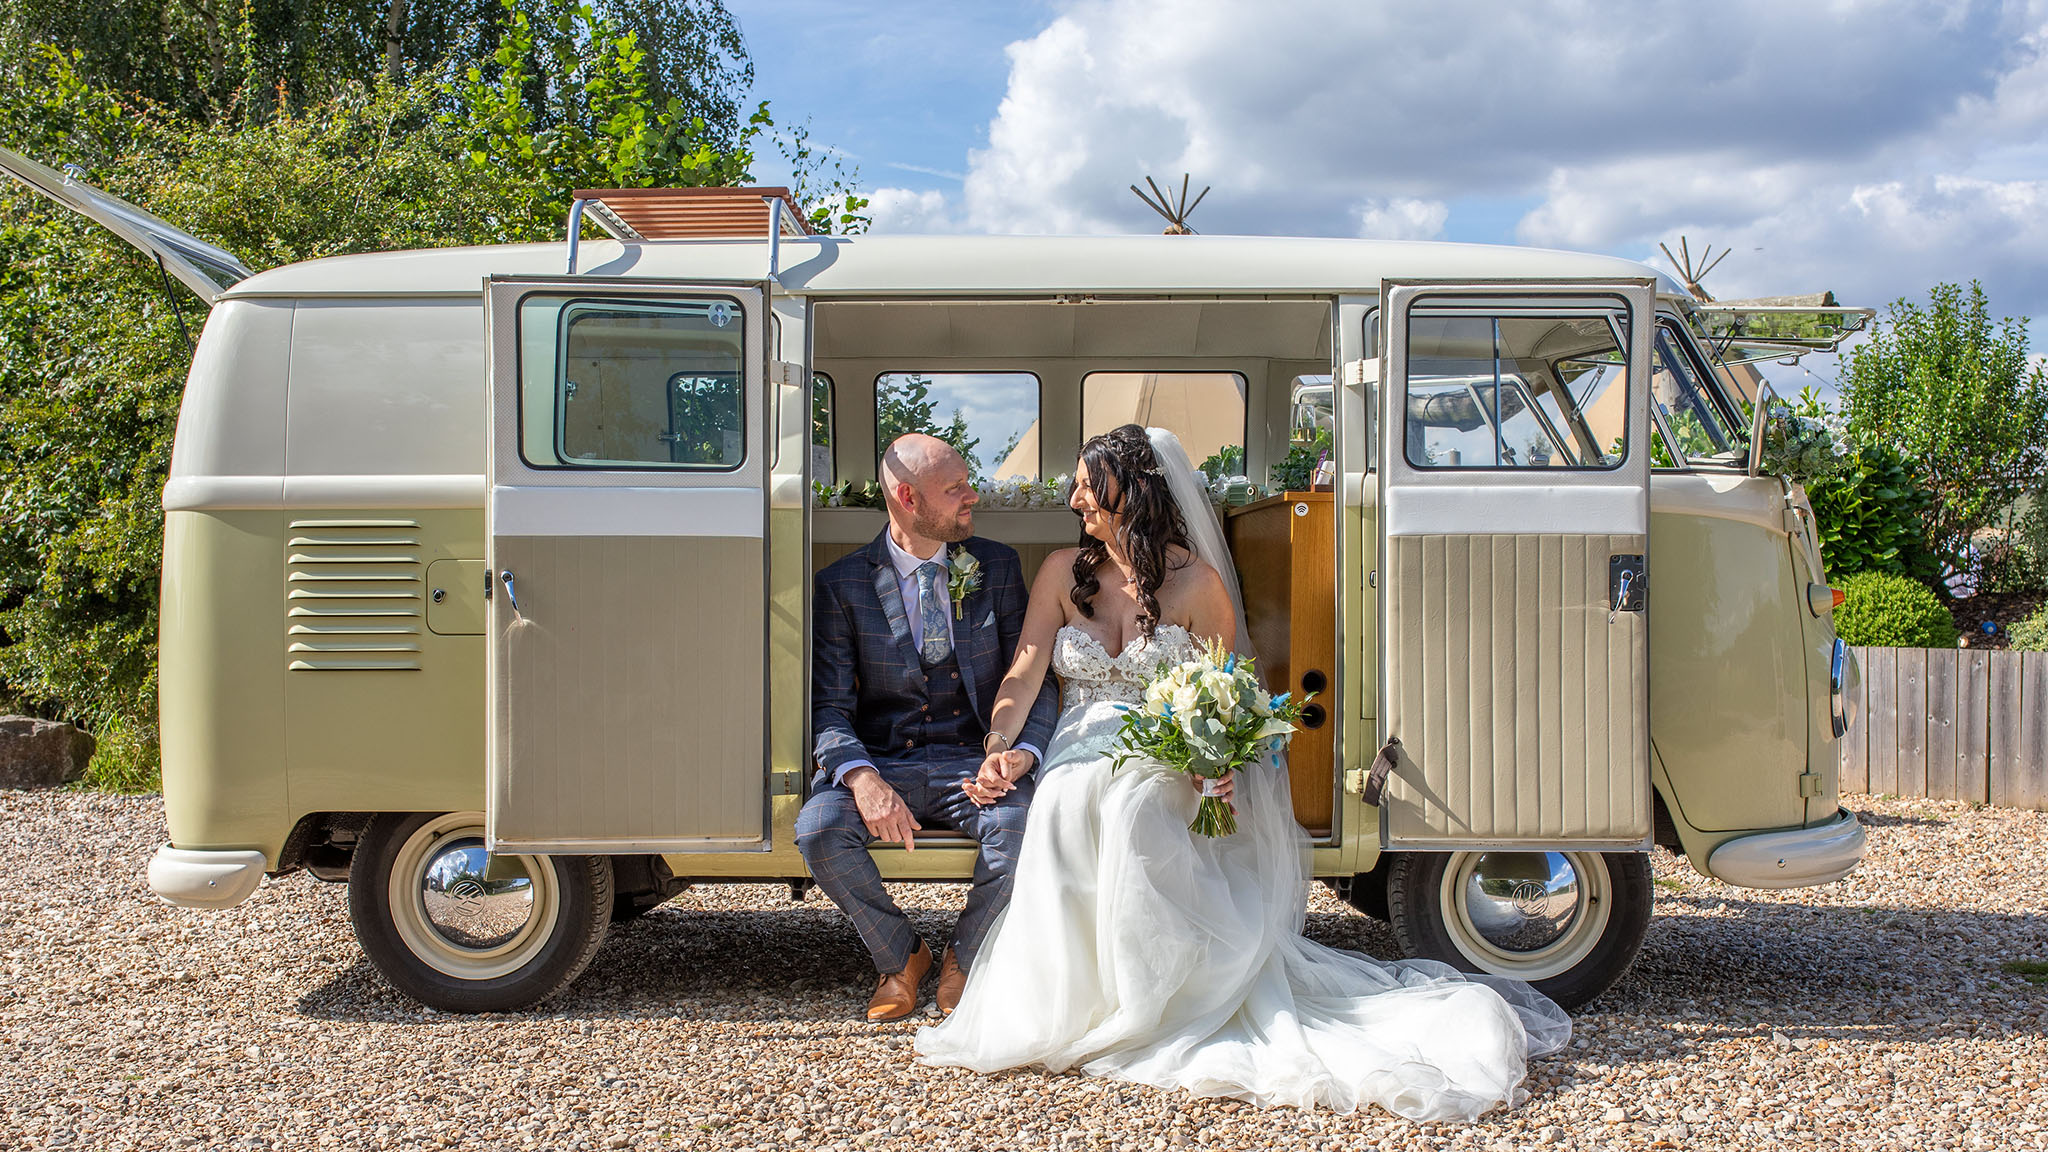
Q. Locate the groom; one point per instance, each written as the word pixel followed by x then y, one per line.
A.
pixel 911 637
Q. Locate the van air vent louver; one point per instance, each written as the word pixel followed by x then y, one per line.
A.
pixel 352 596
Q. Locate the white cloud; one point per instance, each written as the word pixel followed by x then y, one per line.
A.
pixel 903 210
pixel 1400 219
pixel 1870 147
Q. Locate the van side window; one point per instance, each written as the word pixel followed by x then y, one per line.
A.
pixel 1205 409
pixel 991 417
pixel 650 385
pixel 1515 392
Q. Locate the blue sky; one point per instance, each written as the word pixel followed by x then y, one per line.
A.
pixel 1872 148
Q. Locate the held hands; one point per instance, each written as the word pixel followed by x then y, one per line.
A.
pixel 881 809
pixel 999 774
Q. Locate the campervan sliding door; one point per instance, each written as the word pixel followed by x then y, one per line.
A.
pixel 1514 527
pixel 629 468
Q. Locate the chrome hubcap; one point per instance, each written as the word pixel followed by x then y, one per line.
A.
pixel 469 907
pixel 1522 901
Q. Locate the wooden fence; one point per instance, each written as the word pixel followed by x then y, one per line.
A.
pixel 1951 724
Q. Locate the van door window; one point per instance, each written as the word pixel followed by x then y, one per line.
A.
pixel 1515 392
pixel 1701 427
pixel 991 417
pixel 646 385
pixel 1205 409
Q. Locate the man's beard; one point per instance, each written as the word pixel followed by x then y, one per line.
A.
pixel 945 531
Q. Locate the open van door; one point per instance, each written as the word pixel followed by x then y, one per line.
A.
pixel 630 451
pixel 200 266
pixel 1514 527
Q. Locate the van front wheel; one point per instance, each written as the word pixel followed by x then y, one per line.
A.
pixel 463 931
pixel 1569 923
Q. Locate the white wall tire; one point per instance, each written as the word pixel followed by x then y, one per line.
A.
pixel 1569 923
pixel 463 932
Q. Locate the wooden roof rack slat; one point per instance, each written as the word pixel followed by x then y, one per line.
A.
pixel 691 213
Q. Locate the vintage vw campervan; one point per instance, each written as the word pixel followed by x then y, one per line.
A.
pixel 486 571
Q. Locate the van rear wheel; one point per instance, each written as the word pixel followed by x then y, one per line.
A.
pixel 1569 923
pixel 463 931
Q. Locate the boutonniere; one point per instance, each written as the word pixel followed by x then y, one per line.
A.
pixel 965 581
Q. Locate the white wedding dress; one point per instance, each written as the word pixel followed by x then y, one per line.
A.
pixel 1139 950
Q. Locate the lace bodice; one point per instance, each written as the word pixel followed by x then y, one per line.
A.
pixel 1089 674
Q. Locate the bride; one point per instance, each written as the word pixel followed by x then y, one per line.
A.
pixel 1136 949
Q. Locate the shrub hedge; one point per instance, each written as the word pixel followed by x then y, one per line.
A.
pixel 1885 610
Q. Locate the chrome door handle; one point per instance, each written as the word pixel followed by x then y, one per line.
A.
pixel 505 578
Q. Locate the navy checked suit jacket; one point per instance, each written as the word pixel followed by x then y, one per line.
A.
pixel 867 680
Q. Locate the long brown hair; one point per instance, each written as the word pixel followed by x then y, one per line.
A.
pixel 1152 526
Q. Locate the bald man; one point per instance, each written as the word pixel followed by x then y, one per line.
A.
pixel 911 637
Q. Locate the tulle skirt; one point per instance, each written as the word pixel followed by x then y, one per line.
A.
pixel 1135 949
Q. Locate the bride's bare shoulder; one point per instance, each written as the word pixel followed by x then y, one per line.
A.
pixel 1056 572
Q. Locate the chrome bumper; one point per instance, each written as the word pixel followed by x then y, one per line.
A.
pixel 1796 858
pixel 195 878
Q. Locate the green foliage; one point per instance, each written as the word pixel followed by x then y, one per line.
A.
pixel 1296 471
pixel 904 404
pixel 1228 462
pixel 1872 517
pixel 1881 609
pixel 568 100
pixel 281 142
pixel 1955 394
pixel 2031 634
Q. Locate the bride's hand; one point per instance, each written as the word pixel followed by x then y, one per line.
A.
pixel 1226 787
pixel 999 774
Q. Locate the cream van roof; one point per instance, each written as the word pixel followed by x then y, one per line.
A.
pixel 923 265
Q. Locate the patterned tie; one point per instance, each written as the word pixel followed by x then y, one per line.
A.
pixel 931 613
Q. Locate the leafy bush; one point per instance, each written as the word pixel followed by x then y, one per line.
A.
pixel 1890 611
pixel 315 155
pixel 2031 634
pixel 1956 393
pixel 1872 518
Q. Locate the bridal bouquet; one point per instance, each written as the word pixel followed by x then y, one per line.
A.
pixel 1207 717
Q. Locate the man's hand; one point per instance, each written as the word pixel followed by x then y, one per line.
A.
pixel 999 774
pixel 881 809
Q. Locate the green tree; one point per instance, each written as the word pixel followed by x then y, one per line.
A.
pixel 904 404
pixel 94 349
pixel 1955 394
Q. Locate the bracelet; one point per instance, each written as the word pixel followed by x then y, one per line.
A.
pixel 995 736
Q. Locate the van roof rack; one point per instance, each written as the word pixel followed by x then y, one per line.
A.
pixel 689 214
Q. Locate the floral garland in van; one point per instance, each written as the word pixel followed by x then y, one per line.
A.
pixel 1800 447
pixel 1013 494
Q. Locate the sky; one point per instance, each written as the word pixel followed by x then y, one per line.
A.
pixel 1873 148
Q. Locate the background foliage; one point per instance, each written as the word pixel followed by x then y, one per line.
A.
pixel 1893 611
pixel 1955 394
pixel 283 130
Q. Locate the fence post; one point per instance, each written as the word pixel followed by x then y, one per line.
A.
pixel 2009 784
pixel 1973 722
pixel 1854 773
pixel 1943 699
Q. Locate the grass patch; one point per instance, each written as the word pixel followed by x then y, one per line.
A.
pixel 1668 884
pixel 2032 971
pixel 125 760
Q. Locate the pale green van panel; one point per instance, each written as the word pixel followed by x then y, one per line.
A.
pixel 221 705
pixel 409 740
pixel 1728 674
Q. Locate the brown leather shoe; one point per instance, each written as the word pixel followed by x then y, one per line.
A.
pixel 896 993
pixel 952 982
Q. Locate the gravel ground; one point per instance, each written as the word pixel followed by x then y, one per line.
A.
pixel 1870 1013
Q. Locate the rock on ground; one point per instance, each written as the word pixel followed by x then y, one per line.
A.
pixel 1872 1013
pixel 41 753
